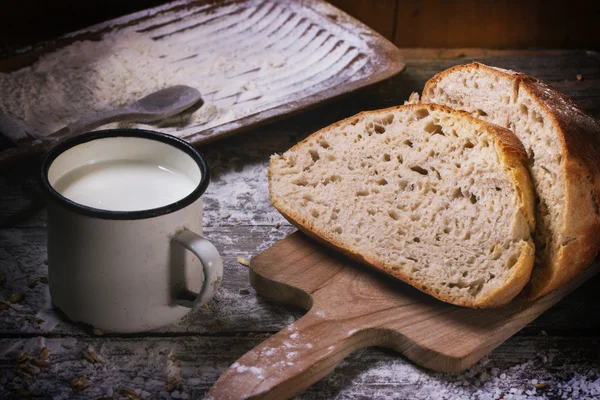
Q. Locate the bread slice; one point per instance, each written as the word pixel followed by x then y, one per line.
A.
pixel 427 194
pixel 563 143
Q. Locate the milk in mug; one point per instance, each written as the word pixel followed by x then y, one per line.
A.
pixel 124 185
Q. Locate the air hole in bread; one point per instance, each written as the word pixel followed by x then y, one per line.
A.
pixel 415 260
pixel 402 183
pixel 291 162
pixel 338 230
pixel 399 158
pixel 362 193
pixel 382 182
pixel 434 129
pixel 475 85
pixel 307 197
pixel 331 178
pixel 524 110
pixel 468 144
pixel 314 213
pixel 498 189
pixel 401 232
pixel 419 170
pixel 388 119
pixel 394 215
pixel 408 143
pixel 323 143
pixel 300 181
pixel 314 154
pixel 481 113
pixel 512 260
pixel 379 128
pixel 457 194
pixel 538 118
pixel 386 157
pixel 473 199
pixel 415 217
pixel 355 121
pixel 371 211
pixel 475 289
pixel 421 113
pixel 417 240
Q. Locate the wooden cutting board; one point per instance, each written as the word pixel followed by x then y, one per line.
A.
pixel 351 307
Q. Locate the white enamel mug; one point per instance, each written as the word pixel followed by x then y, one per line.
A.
pixel 124 268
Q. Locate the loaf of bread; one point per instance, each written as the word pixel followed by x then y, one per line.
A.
pixel 429 195
pixel 563 144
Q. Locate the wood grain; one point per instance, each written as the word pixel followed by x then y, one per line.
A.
pixel 350 308
pixel 143 365
pixel 379 15
pixel 497 24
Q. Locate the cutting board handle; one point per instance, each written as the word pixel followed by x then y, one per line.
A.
pixel 289 361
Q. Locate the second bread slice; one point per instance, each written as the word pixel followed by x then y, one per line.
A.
pixel 427 194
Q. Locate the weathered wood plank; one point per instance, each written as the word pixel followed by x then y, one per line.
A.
pixel 569 366
pixel 22 255
pixel 379 15
pixel 496 24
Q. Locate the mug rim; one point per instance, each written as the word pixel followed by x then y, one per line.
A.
pixel 174 141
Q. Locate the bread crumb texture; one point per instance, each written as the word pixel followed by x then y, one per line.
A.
pixel 425 193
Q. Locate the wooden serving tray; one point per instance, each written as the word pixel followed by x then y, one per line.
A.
pixel 324 52
pixel 351 307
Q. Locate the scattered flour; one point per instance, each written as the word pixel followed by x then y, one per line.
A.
pixel 244 368
pixel 88 77
pixel 243 60
pixel 482 381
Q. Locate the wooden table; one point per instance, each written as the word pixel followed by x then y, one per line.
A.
pixel 557 355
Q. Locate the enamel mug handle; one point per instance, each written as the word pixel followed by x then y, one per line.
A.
pixel 211 264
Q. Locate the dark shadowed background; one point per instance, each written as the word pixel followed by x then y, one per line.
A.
pixel 498 24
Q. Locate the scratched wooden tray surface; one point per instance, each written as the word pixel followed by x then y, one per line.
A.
pixel 325 53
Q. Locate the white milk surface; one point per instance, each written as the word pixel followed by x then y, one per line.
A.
pixel 124 185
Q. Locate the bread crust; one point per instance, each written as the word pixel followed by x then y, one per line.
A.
pixel 513 155
pixel 579 135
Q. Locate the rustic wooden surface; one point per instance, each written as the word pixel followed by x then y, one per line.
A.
pixel 560 350
pixel 352 307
